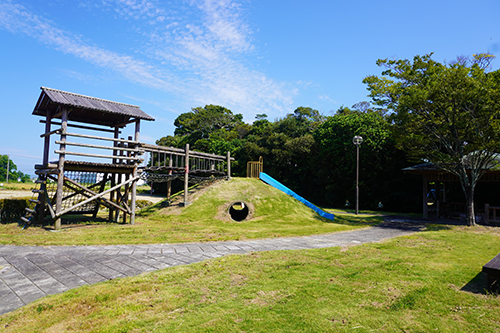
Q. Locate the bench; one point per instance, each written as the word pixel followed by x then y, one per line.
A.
pixel 492 270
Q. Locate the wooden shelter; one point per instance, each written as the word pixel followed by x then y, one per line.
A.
pixel 72 185
pixel 433 174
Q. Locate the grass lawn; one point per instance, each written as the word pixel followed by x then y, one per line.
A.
pixel 274 214
pixel 421 283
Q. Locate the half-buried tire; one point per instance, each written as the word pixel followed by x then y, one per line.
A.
pixel 238 211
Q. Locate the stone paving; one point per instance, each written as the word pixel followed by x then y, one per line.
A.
pixel 28 273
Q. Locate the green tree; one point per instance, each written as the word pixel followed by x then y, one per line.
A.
pixel 4 160
pixel 381 178
pixel 14 174
pixel 202 121
pixel 447 114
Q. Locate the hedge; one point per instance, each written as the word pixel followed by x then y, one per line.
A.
pixel 13 209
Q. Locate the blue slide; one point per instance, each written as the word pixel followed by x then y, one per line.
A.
pixel 274 183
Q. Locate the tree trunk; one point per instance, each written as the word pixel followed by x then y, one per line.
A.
pixel 469 199
pixel 468 182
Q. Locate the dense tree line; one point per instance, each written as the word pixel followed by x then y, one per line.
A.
pixel 311 153
pixel 424 111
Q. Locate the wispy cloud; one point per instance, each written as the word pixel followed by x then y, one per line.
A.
pixel 197 52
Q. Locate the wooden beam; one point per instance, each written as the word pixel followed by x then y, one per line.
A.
pixel 83 188
pixel 133 179
pixel 229 164
pixel 134 173
pixel 97 155
pixel 100 138
pixel 60 177
pixel 186 175
pixel 86 145
pixel 84 127
pixel 48 134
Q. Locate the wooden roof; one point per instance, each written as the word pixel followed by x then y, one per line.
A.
pixel 433 173
pixel 87 109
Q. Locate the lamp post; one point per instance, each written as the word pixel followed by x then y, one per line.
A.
pixel 357 140
pixel 8 160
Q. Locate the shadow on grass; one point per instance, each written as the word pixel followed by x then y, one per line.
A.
pixel 70 222
pixel 478 285
pixel 356 220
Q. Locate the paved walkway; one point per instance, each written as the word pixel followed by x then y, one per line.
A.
pixel 28 273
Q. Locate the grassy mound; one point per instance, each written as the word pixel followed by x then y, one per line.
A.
pixel 273 214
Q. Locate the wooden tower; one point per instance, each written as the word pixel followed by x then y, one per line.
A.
pixel 75 183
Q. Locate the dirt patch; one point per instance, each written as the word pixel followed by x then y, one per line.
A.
pixel 6 194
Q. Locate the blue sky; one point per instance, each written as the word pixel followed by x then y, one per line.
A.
pixel 249 56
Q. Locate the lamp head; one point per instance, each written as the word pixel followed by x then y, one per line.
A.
pixel 357 140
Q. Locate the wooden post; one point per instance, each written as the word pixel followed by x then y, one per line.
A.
pixel 444 192
pixel 134 174
pixel 103 186
pixel 113 175
pixel 228 165
pixel 425 212
pixel 45 162
pixel 487 213
pixel 186 175
pixel 60 176
pixel 46 140
pixel 169 182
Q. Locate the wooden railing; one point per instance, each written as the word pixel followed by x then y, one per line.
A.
pixel 123 149
pixel 254 168
pixel 491 214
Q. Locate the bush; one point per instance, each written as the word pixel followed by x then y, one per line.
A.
pixel 13 209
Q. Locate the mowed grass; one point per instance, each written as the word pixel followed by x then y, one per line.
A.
pixel 426 282
pixel 274 214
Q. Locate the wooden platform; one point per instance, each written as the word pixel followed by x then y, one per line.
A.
pixel 492 269
pixel 87 167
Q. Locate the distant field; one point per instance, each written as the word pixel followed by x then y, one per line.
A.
pixel 17 186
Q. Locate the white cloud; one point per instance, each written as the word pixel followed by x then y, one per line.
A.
pixel 327 98
pixel 205 46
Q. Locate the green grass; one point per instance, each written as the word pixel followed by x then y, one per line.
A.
pixel 274 214
pixel 421 283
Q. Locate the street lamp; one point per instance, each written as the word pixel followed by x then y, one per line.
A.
pixel 357 140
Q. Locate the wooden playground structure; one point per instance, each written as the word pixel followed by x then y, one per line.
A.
pixel 82 184
pixel 254 168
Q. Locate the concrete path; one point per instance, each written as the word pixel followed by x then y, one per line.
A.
pixel 28 273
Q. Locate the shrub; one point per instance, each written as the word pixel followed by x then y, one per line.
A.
pixel 13 209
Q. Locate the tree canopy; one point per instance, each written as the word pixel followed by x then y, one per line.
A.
pixel 447 114
pixel 421 111
pixel 313 154
pixel 14 174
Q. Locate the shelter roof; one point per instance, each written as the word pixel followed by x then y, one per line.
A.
pixel 434 173
pixel 87 109
pixel 419 168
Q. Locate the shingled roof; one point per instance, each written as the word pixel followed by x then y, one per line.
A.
pixel 87 109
